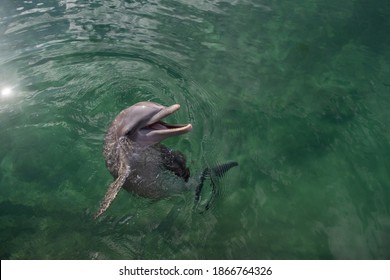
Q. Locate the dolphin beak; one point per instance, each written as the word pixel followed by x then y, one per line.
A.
pixel 156 130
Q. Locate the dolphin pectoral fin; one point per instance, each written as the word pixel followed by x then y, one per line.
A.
pixel 111 193
pixel 199 187
pixel 212 172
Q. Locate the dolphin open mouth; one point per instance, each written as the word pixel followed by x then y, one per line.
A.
pixel 157 130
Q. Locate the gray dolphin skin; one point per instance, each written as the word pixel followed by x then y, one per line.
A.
pixel 139 163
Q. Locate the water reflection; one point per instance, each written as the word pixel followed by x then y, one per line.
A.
pixel 6 91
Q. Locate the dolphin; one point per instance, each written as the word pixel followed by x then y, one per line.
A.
pixel 140 164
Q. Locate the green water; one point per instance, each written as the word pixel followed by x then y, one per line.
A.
pixel 298 92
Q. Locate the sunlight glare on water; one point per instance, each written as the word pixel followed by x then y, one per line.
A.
pixel 6 91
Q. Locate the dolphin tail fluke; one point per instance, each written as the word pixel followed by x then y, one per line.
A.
pixel 212 172
pixel 221 169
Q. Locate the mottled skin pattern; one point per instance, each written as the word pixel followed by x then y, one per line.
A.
pixel 135 158
pixel 146 164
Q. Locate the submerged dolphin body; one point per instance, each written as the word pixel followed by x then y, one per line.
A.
pixel 140 164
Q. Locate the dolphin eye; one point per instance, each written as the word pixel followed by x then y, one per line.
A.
pixel 130 132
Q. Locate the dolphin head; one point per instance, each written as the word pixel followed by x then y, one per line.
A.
pixel 142 123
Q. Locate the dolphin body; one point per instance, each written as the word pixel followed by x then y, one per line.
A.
pixel 140 164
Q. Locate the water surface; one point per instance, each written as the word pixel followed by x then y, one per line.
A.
pixel 296 91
